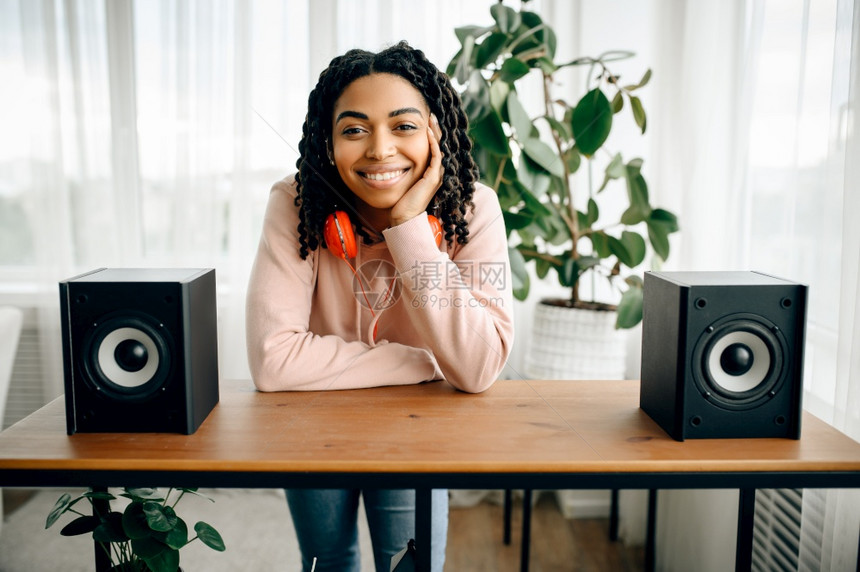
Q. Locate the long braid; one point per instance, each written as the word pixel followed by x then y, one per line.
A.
pixel 320 188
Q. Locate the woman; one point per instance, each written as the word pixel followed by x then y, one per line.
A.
pixel 385 179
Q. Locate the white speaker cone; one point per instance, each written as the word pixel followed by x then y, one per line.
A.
pixel 750 379
pixel 112 370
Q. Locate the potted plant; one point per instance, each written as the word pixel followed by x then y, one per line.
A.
pixel 145 537
pixel 534 158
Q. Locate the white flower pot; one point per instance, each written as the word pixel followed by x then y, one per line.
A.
pixel 570 343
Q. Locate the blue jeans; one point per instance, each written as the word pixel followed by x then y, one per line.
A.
pixel 326 523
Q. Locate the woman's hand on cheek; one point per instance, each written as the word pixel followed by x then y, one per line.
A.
pixel 416 199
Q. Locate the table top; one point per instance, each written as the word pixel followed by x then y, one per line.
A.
pixel 516 427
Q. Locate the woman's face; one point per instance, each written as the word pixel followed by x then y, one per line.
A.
pixel 379 138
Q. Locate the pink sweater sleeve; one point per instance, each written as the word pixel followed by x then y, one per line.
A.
pixel 463 304
pixel 282 353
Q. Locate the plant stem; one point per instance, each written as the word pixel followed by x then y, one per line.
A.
pixel 571 220
pixel 542 255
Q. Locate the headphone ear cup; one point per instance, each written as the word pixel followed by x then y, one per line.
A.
pixel 339 235
pixel 436 227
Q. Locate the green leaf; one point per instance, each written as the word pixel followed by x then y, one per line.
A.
pixel 519 274
pixel 476 97
pixel 614 170
pixel 543 155
pixel 474 32
pixel 61 506
pixel 142 494
pixel 489 134
pixel 178 537
pixel 636 248
pixel 464 70
pixel 645 79
pixel 664 217
pixel 661 223
pixel 516 221
pixel 574 160
pixel 638 112
pixel 490 49
pixel 518 116
pixel 512 70
pixel 592 213
pixel 659 237
pixel 532 176
pixel 619 249
pixel 148 547
pixel 534 206
pixel 81 525
pixel 637 194
pixel 629 308
pixel 166 561
pixel 499 91
pixel 134 522
pixel 209 536
pixel 600 243
pixel 543 35
pixel 591 122
pixel 507 19
pixel 158 517
pixel 542 268
pixel 617 102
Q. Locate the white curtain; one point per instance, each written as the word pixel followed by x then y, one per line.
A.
pixel 755 131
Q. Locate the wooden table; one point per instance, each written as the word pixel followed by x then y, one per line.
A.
pixel 518 434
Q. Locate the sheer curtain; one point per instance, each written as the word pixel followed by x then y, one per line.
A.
pixel 754 136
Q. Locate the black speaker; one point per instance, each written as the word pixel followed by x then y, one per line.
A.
pixel 722 354
pixel 139 349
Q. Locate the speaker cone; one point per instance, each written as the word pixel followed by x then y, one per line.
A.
pixel 127 357
pixel 737 361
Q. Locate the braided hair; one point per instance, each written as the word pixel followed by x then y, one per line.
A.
pixel 320 188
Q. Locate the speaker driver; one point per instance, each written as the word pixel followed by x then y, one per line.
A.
pixel 737 362
pixel 128 358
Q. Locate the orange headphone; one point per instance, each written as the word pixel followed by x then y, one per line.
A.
pixel 340 239
pixel 339 234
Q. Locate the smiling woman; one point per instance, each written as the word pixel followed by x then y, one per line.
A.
pixel 384 154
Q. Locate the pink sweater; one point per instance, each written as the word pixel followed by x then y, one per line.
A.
pixel 449 316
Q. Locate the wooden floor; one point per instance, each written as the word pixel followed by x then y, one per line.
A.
pixel 557 544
